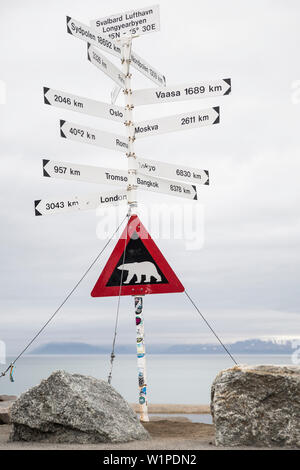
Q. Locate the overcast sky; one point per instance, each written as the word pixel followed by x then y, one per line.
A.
pixel 245 278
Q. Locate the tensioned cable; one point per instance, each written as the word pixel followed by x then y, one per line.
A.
pixel 64 301
pixel 210 327
pixel 112 355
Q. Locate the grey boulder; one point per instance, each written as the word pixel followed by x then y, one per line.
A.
pixel 257 406
pixel 76 409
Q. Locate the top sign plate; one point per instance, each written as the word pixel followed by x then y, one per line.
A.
pixel 133 22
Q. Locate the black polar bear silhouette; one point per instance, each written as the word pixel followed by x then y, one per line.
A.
pixel 144 268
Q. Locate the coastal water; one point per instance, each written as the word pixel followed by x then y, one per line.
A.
pixel 182 379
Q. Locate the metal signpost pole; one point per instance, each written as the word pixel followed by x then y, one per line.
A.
pixel 132 202
pixel 141 354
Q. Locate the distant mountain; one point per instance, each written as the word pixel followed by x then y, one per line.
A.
pixel 69 348
pixel 250 346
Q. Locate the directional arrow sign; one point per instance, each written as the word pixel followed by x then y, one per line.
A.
pixel 78 203
pixel 84 173
pixel 72 131
pixel 182 92
pixel 133 22
pixel 84 32
pixel 173 188
pixel 61 99
pixel 176 172
pixel 178 122
pixel 105 65
pixel 147 69
pixel 90 35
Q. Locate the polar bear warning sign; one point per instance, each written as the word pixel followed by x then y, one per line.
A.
pixel 136 266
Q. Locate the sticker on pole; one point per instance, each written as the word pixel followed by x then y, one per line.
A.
pixel 136 266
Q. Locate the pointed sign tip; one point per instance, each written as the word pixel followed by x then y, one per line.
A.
pixel 207 174
pixel 88 51
pixel 61 131
pixel 45 173
pixel 45 89
pixel 195 198
pixel 228 81
pixel 36 203
pixel 217 120
pixel 68 21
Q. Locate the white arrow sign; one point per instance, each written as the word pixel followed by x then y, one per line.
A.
pixel 61 99
pixel 133 22
pixel 147 69
pixel 79 203
pixel 172 188
pixel 178 122
pixel 84 173
pixel 72 131
pixel 100 61
pixel 84 32
pixel 182 92
pixel 170 171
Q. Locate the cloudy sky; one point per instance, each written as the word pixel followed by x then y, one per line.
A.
pixel 245 277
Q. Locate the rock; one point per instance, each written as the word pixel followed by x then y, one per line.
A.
pixel 257 406
pixel 76 409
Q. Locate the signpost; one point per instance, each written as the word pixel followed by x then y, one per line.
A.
pixel 79 203
pixel 146 69
pixel 79 104
pixel 172 188
pixel 88 34
pixel 79 133
pixel 100 61
pixel 84 173
pixel 176 172
pixel 133 22
pixel 179 122
pixel 136 266
pixel 182 92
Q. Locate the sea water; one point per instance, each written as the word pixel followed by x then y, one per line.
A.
pixel 184 379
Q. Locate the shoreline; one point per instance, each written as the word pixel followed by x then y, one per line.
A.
pixel 165 408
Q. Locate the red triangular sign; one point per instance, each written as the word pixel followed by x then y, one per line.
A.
pixel 142 268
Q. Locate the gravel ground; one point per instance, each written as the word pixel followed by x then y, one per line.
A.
pixel 166 434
